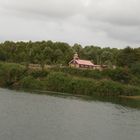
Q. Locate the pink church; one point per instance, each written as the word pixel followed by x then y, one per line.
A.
pixel 79 63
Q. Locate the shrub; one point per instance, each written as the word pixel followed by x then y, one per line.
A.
pixel 120 75
pixel 58 81
pixel 30 82
pixel 11 73
pixel 61 80
pixel 131 91
pixel 38 73
pixel 95 74
pixel 135 68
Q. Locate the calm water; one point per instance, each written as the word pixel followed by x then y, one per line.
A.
pixel 26 116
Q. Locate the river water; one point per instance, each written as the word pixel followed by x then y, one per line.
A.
pixel 25 116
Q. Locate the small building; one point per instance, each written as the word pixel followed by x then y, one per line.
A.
pixel 85 64
pixel 78 63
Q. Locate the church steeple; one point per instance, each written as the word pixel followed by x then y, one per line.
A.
pixel 76 57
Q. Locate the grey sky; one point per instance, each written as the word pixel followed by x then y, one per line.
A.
pixel 114 23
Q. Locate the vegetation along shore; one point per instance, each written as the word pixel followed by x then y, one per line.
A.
pixel 44 66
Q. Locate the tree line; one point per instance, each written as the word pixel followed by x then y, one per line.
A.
pixel 53 53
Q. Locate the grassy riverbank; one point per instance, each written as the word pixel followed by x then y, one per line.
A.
pixel 74 81
pixel 131 97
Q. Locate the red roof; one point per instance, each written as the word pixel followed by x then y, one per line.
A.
pixel 84 62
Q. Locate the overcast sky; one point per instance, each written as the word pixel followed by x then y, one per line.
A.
pixel 114 23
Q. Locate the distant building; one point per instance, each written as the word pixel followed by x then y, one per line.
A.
pixel 78 63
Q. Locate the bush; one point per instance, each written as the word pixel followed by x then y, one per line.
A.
pixel 120 75
pixel 38 73
pixel 11 73
pixel 66 81
pixel 30 82
pixel 131 91
pixel 108 87
pixel 58 81
pixel 95 74
pixel 135 68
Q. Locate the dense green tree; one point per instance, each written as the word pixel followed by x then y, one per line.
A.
pixel 106 57
pixel 48 52
pixel 135 68
pixel 127 57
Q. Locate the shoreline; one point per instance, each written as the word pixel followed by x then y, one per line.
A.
pixel 65 81
pixel 120 100
pixel 131 97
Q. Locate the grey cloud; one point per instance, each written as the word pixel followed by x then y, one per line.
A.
pixel 123 33
pixel 119 12
pixel 52 8
pixel 100 22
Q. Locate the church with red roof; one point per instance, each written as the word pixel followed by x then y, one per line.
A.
pixel 79 63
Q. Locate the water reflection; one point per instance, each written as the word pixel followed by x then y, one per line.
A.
pixel 115 100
